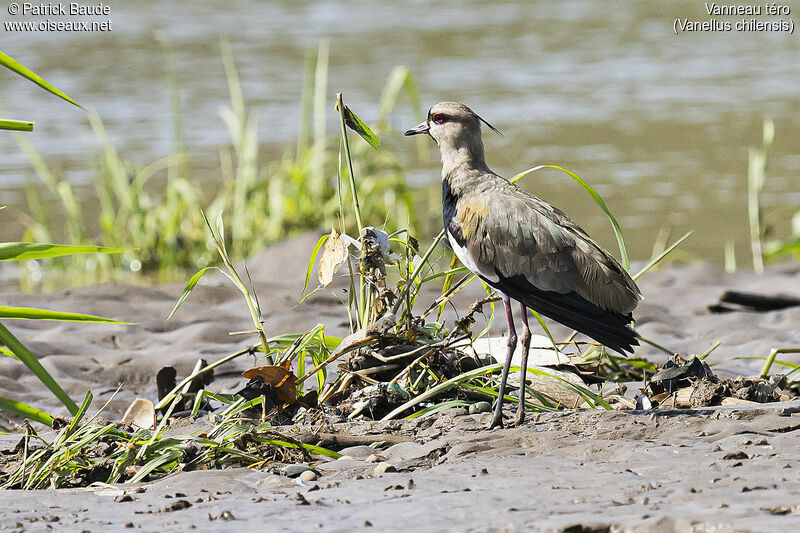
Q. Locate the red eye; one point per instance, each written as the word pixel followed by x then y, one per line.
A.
pixel 438 118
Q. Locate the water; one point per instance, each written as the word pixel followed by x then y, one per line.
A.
pixel 658 122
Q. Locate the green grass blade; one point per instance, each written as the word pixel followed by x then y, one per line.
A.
pixel 661 256
pixel 16 125
pixel 26 410
pixel 24 355
pixel 598 200
pixel 771 358
pixel 358 126
pixel 19 251
pixel 73 425
pixel 318 450
pixel 189 286
pixel 29 313
pixel 542 323
pixel 15 66
pixel 175 390
pixel 443 387
pixel 313 260
pixel 159 461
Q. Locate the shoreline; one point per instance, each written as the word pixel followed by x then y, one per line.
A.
pixel 674 314
pixel 721 468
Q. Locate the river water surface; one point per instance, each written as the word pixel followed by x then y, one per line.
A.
pixel 658 122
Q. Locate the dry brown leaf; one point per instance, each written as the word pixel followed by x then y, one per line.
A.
pixel 280 379
pixel 333 255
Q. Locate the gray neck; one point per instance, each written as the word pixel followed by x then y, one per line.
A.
pixel 463 151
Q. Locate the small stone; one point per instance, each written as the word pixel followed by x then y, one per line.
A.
pixel 375 458
pixel 178 505
pixel 480 407
pixel 383 467
pixel 346 458
pixel 296 470
pixel 123 498
pixel 735 456
pixel 308 475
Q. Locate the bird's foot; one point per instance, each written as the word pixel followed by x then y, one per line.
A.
pixel 497 422
pixel 520 419
pixel 497 418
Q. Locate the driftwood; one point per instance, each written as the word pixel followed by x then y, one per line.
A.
pixel 753 301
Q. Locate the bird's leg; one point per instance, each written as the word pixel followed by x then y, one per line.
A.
pixel 497 420
pixel 526 346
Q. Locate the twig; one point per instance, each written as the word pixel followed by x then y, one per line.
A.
pixel 188 379
pixel 464 323
pixel 334 356
pixel 245 332
pixel 431 348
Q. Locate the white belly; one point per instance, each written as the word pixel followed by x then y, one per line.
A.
pixel 466 260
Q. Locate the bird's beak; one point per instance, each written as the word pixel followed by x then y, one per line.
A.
pixel 421 128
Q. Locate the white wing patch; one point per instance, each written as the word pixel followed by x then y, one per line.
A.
pixel 466 260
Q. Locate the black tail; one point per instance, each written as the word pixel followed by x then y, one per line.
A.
pixel 610 329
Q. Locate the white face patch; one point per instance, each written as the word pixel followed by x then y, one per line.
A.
pixel 466 260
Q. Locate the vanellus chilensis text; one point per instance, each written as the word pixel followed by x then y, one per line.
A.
pixel 525 248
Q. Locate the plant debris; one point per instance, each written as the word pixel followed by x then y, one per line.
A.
pixel 692 384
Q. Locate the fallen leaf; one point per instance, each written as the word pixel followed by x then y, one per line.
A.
pixel 281 380
pixel 333 255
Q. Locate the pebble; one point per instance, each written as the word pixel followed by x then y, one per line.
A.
pixel 374 458
pixel 296 470
pixel 382 467
pixel 346 458
pixel 480 407
pixel 308 475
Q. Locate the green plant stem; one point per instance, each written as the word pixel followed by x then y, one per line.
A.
pixel 771 359
pixel 168 398
pixel 234 276
pixel 417 270
pixel 356 205
pixel 655 345
pixel 361 303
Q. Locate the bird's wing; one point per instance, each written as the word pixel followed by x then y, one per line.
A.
pixel 504 229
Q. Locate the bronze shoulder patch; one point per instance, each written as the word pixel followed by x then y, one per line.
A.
pixel 469 214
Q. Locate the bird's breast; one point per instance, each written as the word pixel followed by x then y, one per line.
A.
pixel 472 264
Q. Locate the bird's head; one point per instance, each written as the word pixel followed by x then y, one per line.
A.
pixel 456 129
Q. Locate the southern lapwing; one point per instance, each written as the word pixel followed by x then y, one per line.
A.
pixel 525 248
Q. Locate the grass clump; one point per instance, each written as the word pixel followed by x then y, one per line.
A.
pixel 87 450
pixel 164 232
